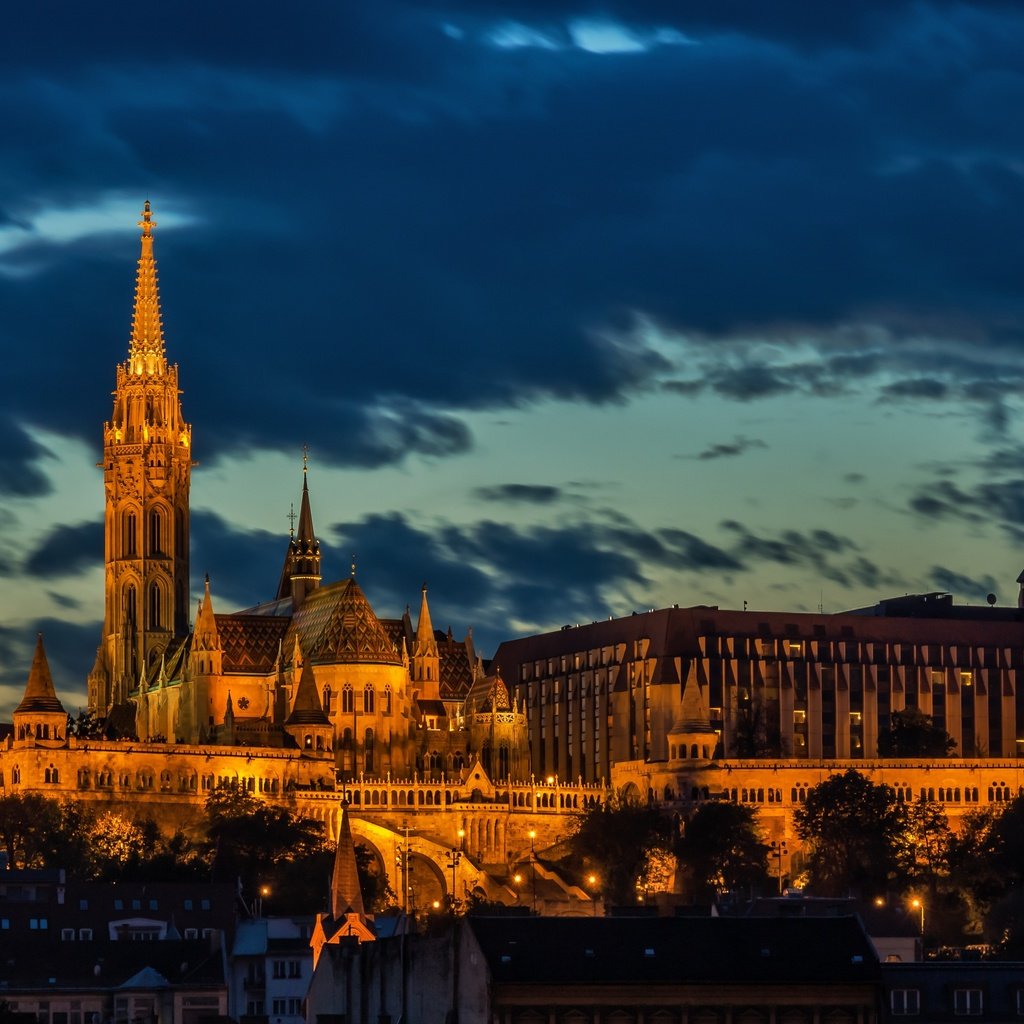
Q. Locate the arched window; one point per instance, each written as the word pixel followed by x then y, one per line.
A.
pixel 156 538
pixel 368 751
pixel 347 703
pixel 130 538
pixel 129 603
pixel 368 699
pixel 346 750
pixel 154 606
pixel 326 702
pixel 386 701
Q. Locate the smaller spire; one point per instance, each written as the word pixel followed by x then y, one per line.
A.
pixel 346 895
pixel 307 709
pixel 39 692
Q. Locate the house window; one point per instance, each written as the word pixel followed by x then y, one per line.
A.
pixel 967 1002
pixel 85 935
pixel 905 1002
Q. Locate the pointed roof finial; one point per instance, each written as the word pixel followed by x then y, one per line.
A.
pixel 291 521
pixel 305 459
pixel 353 565
pixel 146 354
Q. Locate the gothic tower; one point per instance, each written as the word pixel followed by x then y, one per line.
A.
pixel 147 467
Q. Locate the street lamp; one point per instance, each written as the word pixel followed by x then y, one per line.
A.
pixel 918 904
pixel 454 856
pixel 533 871
pixel 779 850
pixel 518 880
pixel 592 883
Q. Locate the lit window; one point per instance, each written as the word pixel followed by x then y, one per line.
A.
pixel 966 678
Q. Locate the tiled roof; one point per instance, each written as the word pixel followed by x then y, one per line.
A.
pixel 250 642
pixel 337 624
pixel 456 670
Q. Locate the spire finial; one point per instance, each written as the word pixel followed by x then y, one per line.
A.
pixel 146 350
pixel 353 565
pixel 305 459
pixel 291 521
pixel 147 223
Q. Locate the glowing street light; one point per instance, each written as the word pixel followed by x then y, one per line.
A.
pixel 592 884
pixel 918 904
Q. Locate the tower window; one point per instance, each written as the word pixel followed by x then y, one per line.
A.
pixel 154 606
pixel 129 603
pixel 155 532
pixel 129 539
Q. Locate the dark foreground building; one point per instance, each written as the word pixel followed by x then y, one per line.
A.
pixel 514 970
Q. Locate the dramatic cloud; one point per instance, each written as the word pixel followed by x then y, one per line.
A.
pixel 530 494
pixel 727 449
pixel 393 211
pixel 67 551
pixel 964 586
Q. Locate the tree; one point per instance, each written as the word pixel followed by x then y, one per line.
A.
pixel 912 733
pixel 924 844
pixel 852 829
pixel 614 839
pixel 36 832
pixel 722 848
pixel 756 731
pixel 261 845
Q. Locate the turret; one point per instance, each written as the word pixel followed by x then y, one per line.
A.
pixel 307 724
pixel 40 718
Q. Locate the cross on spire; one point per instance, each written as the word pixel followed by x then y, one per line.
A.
pixel 291 521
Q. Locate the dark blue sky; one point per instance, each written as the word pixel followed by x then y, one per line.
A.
pixel 580 307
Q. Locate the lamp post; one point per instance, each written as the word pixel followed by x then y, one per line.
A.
pixel 454 856
pixel 518 880
pixel 779 850
pixel 592 883
pixel 918 904
pixel 533 871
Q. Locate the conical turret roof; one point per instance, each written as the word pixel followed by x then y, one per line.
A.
pixel 307 709
pixel 39 692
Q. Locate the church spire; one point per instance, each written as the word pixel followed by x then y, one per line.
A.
pixel 425 657
pixel 346 894
pixel 146 354
pixel 301 572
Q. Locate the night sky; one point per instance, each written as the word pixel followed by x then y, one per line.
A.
pixel 581 308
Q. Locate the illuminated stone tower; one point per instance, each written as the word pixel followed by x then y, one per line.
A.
pixel 146 472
